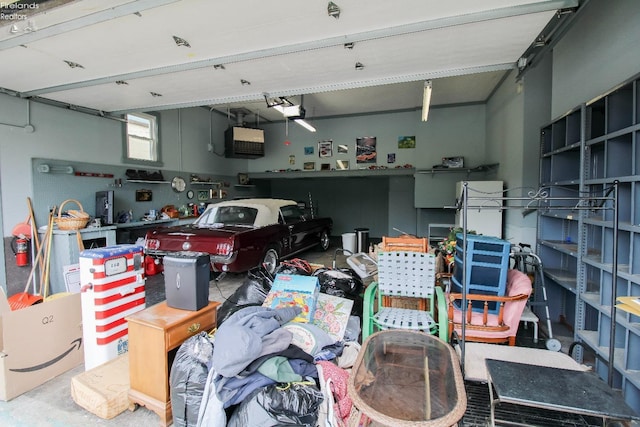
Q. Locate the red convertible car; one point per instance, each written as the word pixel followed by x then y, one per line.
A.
pixel 242 234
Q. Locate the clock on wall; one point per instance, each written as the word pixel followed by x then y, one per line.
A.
pixel 178 184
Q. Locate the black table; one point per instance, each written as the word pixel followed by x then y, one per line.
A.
pixel 554 389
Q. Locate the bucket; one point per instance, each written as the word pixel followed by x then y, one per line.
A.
pixel 349 242
pixel 362 239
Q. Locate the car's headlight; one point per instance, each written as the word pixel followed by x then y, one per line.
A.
pixel 186 246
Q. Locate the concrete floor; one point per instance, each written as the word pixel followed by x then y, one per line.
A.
pixel 51 405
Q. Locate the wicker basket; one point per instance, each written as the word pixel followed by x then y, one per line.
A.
pixel 78 218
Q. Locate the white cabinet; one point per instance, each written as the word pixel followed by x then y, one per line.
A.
pixel 488 220
pixel 65 250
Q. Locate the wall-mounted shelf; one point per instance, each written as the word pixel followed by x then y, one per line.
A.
pixel 147 181
pixel 481 168
pixel 213 184
pixel 333 173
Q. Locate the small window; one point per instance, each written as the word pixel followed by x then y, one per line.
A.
pixel 142 138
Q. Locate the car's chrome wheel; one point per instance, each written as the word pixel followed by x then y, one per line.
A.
pixel 325 242
pixel 270 260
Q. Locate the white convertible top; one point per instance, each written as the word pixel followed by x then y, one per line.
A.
pixel 268 209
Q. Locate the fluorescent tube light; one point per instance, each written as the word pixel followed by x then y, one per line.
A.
pixel 293 111
pixel 426 100
pixel 290 111
pixel 305 125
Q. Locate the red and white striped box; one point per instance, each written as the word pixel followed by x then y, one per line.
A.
pixel 112 288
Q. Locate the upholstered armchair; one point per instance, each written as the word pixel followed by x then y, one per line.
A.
pixel 483 326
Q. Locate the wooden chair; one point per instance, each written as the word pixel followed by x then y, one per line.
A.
pixel 405 243
pixel 482 326
pixel 405 296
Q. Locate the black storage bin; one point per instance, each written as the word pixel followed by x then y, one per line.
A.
pixel 186 280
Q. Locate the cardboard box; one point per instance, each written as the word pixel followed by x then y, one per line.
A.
pixel 38 343
pixel 103 390
pixel 294 290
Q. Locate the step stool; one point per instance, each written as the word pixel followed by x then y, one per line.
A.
pixel 529 316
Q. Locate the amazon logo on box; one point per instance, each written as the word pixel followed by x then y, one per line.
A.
pixel 38 343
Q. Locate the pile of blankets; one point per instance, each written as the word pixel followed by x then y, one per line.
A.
pixel 262 362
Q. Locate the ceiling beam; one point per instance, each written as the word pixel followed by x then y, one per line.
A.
pixel 250 97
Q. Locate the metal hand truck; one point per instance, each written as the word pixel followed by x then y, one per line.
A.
pixel 525 260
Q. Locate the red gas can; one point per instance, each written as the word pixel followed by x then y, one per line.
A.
pixel 152 266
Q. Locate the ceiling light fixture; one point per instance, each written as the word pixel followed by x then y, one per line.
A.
pixel 359 66
pixel 426 100
pixel 349 45
pixel 289 110
pixel 181 42
pixel 305 125
pixel 245 82
pixel 218 67
pixel 333 10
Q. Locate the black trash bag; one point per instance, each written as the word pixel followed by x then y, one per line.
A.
pixel 292 404
pixel 188 377
pixel 296 266
pixel 253 291
pixel 342 282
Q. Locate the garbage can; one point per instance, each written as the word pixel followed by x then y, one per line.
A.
pixel 349 242
pixel 362 239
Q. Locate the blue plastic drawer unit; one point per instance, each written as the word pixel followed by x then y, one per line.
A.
pixel 486 263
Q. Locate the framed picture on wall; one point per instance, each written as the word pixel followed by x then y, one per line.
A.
pixel 309 166
pixel 342 165
pixel 325 148
pixel 366 149
pixel 203 195
pixel 144 195
pixel 406 142
pixel 308 151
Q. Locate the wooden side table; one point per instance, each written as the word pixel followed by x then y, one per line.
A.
pixel 153 333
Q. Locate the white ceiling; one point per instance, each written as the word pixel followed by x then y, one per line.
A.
pixel 278 48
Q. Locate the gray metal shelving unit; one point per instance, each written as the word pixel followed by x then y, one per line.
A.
pixel 593 256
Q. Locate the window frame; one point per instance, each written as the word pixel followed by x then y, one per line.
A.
pixel 155 117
